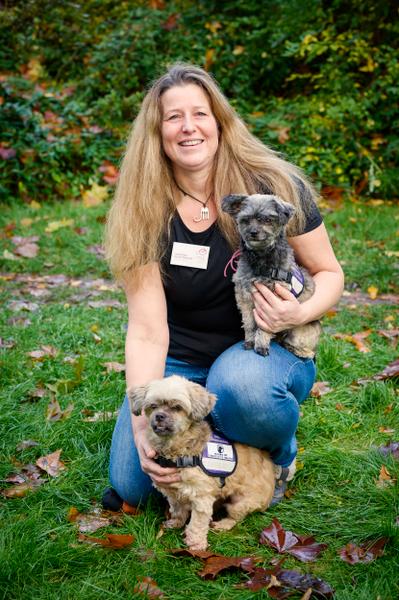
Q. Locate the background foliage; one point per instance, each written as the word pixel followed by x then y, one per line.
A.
pixel 316 80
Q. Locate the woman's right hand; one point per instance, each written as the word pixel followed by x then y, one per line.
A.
pixel 159 475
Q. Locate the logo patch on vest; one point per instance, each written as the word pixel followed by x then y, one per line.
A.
pixel 219 457
pixel 297 281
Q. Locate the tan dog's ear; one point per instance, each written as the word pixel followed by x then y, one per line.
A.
pixel 136 397
pixel 202 401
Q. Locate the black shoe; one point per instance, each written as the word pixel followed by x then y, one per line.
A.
pixel 111 500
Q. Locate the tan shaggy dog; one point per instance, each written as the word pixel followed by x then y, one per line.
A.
pixel 175 409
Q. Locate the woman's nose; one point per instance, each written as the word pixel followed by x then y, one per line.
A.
pixel 188 124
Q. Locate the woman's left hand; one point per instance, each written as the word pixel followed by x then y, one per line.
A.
pixel 276 311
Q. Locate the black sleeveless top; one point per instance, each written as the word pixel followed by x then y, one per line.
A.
pixel 203 317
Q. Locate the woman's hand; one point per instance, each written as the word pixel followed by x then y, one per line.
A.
pixel 159 475
pixel 276 311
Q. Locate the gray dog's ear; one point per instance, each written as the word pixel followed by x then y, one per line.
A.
pixel 136 397
pixel 232 204
pixel 284 210
pixel 202 401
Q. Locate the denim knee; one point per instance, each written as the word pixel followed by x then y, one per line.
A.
pixel 258 397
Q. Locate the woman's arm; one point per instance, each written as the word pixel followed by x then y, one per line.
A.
pixel 146 348
pixel 277 311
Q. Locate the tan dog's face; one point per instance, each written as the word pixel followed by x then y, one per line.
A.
pixel 171 404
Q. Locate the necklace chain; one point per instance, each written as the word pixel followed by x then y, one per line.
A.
pixel 204 216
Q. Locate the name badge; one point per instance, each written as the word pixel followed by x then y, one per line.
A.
pixel 190 255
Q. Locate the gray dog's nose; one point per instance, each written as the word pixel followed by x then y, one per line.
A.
pixel 253 232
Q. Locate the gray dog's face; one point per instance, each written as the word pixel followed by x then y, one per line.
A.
pixel 171 404
pixel 260 218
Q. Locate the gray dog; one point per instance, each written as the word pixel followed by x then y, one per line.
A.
pixel 266 257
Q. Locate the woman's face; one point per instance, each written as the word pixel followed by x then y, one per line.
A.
pixel 189 131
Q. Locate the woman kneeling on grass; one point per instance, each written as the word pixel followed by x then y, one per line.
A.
pixel 188 149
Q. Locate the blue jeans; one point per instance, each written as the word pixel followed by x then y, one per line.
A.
pixel 257 404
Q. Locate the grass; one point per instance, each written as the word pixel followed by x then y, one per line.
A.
pixel 335 493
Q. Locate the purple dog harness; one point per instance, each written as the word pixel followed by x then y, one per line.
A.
pixel 294 277
pixel 218 458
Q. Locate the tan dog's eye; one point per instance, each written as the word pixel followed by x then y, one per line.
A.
pixel 153 406
pixel 176 408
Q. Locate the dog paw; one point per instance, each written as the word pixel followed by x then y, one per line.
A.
pixel 195 543
pixel 223 524
pixel 173 524
pixel 262 350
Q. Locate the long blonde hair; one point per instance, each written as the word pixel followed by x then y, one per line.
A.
pixel 144 198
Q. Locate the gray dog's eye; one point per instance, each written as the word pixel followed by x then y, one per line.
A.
pixel 263 219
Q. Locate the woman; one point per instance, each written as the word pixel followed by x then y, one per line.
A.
pixel 188 148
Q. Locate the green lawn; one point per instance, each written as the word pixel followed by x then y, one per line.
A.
pixel 336 497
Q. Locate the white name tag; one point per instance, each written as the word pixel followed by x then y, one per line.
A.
pixel 190 255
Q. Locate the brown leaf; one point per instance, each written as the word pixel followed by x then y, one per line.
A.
pixel 217 563
pixel 21 305
pixel 51 463
pixel 388 333
pixel 320 388
pixel 112 540
pixel 90 522
pixel 364 553
pixel 356 339
pixel 305 548
pixel 285 582
pixel 45 352
pixel 385 478
pixel 54 411
pixel 390 372
pixel 19 490
pixel 170 23
pixel 148 588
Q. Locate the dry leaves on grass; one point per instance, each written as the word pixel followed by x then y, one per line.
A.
pixel 303 547
pixel 94 417
pixel 320 388
pixel 46 351
pixel 283 583
pixel 148 588
pixel 90 522
pixel 54 411
pixel 216 563
pixel 391 371
pixel 114 367
pixel 364 553
pixel 29 477
pixel 357 339
pixel 112 540
pixel 385 479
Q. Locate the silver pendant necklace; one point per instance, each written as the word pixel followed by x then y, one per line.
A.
pixel 204 215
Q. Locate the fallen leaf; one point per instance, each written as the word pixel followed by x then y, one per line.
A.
pixel 387 430
pixel 51 463
pixel 170 23
pixel 320 388
pixel 55 413
pixel 19 490
pixel 56 225
pixel 356 339
pixel 45 352
pixel 303 547
pixel 112 540
pixel 372 291
pixel 28 250
pixel 90 522
pixel 217 563
pixel 148 588
pixel 365 553
pixel 95 195
pixel 390 372
pixel 285 582
pixel 17 305
pixel 8 344
pixel 385 478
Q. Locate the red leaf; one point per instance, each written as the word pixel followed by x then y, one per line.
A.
pixel 51 463
pixel 305 548
pixel 364 553
pixel 215 564
pixel 112 540
pixel 390 372
pixel 148 588
pixel 282 583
